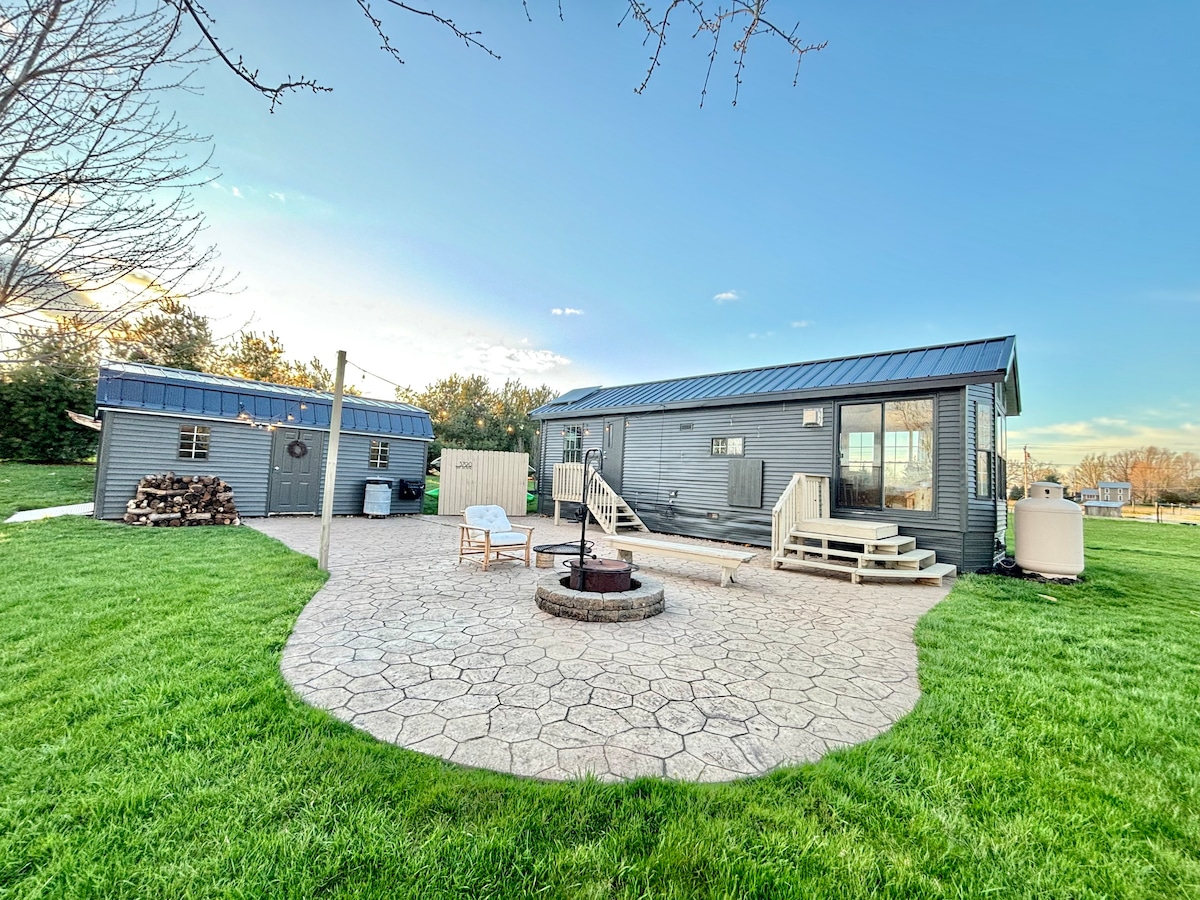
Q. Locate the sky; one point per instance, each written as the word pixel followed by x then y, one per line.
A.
pixel 939 172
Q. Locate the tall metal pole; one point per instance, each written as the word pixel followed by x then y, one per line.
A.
pixel 335 434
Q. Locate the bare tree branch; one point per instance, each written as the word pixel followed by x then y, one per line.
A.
pixel 95 215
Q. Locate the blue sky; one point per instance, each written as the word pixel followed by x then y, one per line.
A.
pixel 941 172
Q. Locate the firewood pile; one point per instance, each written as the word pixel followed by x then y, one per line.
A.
pixel 172 499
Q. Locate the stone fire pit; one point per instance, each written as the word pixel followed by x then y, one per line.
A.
pixel 643 600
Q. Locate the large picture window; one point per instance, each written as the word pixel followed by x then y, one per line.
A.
pixel 573 443
pixel 885 455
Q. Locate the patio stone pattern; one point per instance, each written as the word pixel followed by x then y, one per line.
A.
pixel 443 658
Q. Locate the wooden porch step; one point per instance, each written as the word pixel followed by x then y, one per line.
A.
pixel 911 559
pixel 821 564
pixel 850 528
pixel 894 544
pixel 934 573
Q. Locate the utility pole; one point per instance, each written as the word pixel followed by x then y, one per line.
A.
pixel 1026 476
pixel 335 434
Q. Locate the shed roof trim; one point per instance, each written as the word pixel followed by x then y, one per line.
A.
pixel 138 386
pixel 970 361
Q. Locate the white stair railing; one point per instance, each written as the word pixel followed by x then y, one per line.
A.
pixel 806 497
pixel 603 502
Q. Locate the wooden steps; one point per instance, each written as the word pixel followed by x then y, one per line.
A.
pixel 869 555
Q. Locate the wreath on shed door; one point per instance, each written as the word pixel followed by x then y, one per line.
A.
pixel 297 449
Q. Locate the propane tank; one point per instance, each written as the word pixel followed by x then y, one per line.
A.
pixel 1049 532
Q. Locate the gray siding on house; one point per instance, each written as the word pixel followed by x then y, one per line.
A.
pixel 678 487
pixel 986 516
pixel 134 445
pixel 406 459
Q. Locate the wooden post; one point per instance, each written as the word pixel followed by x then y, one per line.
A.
pixel 335 434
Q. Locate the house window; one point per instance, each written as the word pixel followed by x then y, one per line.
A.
pixel 573 444
pixel 378 458
pixel 193 441
pixel 727 446
pixel 985 450
pixel 885 455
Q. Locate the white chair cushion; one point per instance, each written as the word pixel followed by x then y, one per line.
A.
pixel 490 517
pixel 507 538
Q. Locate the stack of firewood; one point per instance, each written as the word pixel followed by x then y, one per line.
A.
pixel 172 499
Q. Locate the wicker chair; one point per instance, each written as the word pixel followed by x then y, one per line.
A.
pixel 486 535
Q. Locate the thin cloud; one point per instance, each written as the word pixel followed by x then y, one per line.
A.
pixel 566 311
pixel 801 323
pixel 276 195
pixel 501 361
pixel 233 190
pixel 727 296
pixel 1066 442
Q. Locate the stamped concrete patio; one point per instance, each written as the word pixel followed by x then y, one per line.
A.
pixel 408 644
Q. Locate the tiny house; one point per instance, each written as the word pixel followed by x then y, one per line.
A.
pixel 912 437
pixel 268 441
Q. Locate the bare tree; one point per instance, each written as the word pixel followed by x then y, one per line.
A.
pixel 95 216
pixel 1090 471
pixel 741 21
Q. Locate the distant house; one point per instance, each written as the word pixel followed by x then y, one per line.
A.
pixel 1115 492
pixel 1087 494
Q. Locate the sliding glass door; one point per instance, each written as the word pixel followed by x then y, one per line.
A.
pixel 885 455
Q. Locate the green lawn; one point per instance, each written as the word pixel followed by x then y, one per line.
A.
pixel 24 486
pixel 149 748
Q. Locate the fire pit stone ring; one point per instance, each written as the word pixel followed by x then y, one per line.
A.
pixel 643 600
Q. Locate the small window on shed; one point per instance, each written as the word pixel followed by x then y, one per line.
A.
pixel 727 446
pixel 193 441
pixel 379 455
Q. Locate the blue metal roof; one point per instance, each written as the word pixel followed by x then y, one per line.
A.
pixel 138 386
pixel 970 362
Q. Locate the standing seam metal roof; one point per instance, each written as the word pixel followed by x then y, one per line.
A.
pixel 971 360
pixel 138 386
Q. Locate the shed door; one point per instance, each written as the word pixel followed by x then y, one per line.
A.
pixel 613 455
pixel 296 470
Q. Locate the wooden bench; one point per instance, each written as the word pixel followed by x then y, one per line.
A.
pixel 728 560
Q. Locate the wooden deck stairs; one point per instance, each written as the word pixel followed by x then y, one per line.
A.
pixel 803 536
pixel 609 508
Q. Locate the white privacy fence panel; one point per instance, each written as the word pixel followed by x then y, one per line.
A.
pixel 477 477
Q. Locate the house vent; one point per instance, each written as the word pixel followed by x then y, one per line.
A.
pixel 686 426
pixel 813 417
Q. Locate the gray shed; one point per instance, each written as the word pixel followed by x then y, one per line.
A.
pixel 268 441
pixel 914 437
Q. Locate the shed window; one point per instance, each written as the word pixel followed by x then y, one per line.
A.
pixel 985 450
pixel 378 458
pixel 193 441
pixel 885 455
pixel 572 443
pixel 727 446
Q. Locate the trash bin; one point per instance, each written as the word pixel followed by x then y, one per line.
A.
pixel 411 488
pixel 377 501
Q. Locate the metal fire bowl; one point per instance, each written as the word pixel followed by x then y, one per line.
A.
pixel 600 576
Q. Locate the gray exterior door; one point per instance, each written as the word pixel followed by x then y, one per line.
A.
pixel 296 470
pixel 613 447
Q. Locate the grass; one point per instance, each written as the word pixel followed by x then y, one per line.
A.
pixel 27 486
pixel 149 748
